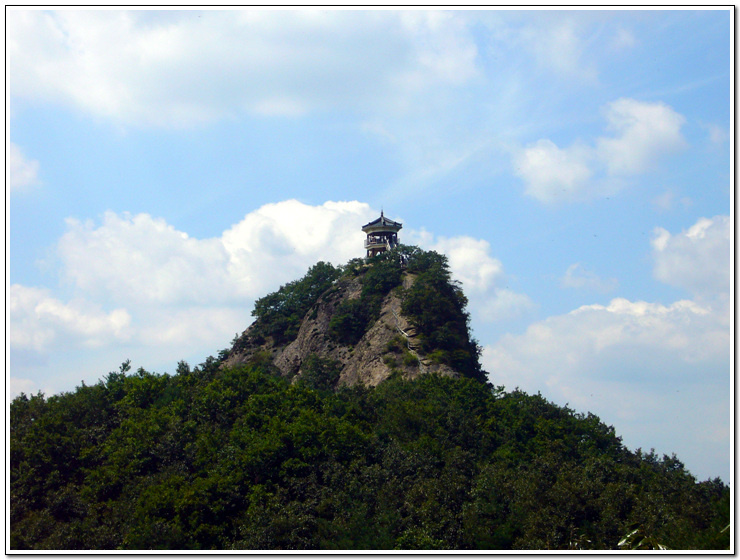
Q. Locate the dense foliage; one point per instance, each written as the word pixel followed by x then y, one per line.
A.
pixel 434 304
pixel 280 313
pixel 214 458
pixel 352 319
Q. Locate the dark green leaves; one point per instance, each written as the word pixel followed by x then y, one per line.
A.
pixel 436 306
pixel 245 460
pixel 279 314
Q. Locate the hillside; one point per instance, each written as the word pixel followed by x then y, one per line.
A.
pixel 351 415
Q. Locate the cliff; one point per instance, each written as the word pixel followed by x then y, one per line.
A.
pixel 362 323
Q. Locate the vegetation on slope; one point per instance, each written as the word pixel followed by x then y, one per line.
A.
pixel 353 318
pixel 279 314
pixel 434 304
pixel 214 458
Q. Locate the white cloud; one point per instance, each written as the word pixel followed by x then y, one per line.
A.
pixel 22 172
pixel 144 260
pixel 398 71
pixel 579 342
pixel 38 321
pixel 697 259
pixel 579 278
pixel 178 330
pixel 471 262
pixel 642 134
pixel 501 304
pixel 552 173
pixel 278 242
pixel 182 68
pixel 407 75
pixel 140 259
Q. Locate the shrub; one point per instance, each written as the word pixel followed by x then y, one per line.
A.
pixel 350 321
pixel 409 359
pixel 320 373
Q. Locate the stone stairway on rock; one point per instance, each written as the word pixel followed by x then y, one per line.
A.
pixel 411 343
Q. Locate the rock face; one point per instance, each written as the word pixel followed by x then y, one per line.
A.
pixel 386 348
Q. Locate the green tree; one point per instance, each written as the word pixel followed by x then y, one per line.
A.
pixel 279 314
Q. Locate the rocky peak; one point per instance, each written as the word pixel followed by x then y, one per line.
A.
pixel 358 324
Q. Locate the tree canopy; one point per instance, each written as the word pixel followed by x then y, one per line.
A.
pixel 279 314
pixel 212 458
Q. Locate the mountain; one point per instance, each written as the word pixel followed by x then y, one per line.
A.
pixel 352 414
pixel 398 313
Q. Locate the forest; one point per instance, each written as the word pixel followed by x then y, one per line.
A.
pixel 240 458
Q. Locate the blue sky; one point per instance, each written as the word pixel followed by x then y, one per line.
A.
pixel 166 168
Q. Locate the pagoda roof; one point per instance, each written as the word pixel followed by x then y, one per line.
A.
pixel 383 222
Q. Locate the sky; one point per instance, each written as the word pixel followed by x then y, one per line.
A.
pixel 165 168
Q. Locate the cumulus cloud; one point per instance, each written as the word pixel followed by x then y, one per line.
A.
pixel 39 320
pixel 141 259
pixel 697 259
pixel 178 330
pixel 642 134
pixel 471 261
pixel 278 242
pixel 183 68
pixel 615 343
pixel 551 173
pixel 22 172
pixel 144 260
